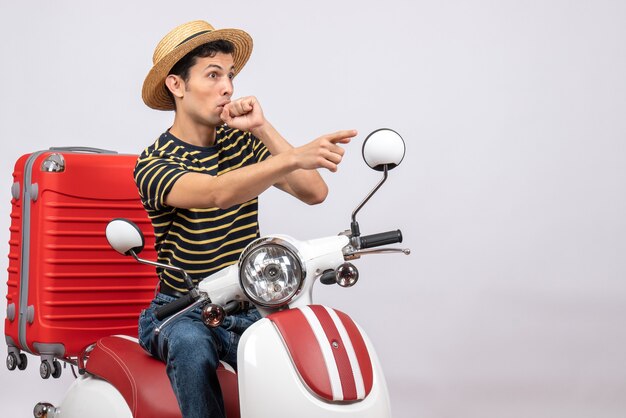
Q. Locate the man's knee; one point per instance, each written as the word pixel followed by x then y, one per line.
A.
pixel 197 344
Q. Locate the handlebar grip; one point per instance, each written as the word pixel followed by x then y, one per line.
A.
pixel 174 306
pixel 383 238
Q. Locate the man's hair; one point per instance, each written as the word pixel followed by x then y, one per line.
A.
pixel 181 68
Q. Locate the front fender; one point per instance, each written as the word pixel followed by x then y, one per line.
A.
pixel 311 361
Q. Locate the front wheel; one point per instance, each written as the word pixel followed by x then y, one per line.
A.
pixel 13 361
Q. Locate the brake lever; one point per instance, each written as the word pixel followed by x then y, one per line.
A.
pixel 350 255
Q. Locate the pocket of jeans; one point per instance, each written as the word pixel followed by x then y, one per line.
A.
pixel 145 329
pixel 139 322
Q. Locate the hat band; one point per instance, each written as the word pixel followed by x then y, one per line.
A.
pixel 193 36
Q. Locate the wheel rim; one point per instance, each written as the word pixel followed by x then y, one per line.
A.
pixel 44 369
pixel 11 361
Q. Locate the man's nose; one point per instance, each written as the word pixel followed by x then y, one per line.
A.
pixel 227 89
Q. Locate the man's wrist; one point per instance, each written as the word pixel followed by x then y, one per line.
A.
pixel 287 160
pixel 270 137
pixel 262 131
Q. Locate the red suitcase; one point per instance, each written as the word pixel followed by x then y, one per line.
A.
pixel 66 287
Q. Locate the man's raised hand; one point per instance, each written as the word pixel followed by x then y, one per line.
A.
pixel 323 152
pixel 244 114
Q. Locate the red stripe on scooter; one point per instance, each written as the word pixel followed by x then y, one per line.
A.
pixel 304 350
pixel 360 349
pixel 339 352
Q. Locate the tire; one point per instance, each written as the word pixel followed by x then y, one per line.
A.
pixel 11 361
pixel 23 362
pixel 45 370
pixel 57 369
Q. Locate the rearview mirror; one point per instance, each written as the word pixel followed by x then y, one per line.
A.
pixel 383 147
pixel 124 236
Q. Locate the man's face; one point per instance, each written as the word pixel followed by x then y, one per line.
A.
pixel 208 89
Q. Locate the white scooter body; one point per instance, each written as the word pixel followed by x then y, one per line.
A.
pixel 90 396
pixel 269 382
pixel 269 386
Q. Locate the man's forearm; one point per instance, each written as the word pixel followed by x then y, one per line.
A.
pixel 306 185
pixel 199 190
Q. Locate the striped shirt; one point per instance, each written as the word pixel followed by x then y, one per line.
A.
pixel 201 241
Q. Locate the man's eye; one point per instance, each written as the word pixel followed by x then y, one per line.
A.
pixel 231 76
pixel 212 75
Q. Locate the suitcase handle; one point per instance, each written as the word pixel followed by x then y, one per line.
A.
pixel 83 149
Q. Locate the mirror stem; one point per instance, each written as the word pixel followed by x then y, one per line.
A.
pixel 186 277
pixel 354 226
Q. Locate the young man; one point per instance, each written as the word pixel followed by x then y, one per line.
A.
pixel 199 183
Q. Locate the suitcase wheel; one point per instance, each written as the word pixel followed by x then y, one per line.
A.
pixel 13 361
pixel 46 370
pixel 23 362
pixel 57 369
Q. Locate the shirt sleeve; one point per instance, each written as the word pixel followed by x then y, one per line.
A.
pixel 155 176
pixel 259 150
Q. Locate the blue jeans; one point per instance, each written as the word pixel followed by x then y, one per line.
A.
pixel 192 352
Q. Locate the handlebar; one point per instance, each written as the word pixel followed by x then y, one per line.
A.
pixel 174 306
pixel 383 238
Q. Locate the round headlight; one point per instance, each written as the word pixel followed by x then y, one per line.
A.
pixel 271 272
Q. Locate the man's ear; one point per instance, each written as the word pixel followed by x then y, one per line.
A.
pixel 175 85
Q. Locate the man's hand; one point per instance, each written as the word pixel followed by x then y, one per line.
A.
pixel 324 152
pixel 244 114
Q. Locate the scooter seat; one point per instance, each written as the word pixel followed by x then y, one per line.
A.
pixel 143 382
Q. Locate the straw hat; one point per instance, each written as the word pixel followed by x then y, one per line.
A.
pixel 178 43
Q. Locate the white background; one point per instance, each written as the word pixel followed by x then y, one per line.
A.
pixel 512 195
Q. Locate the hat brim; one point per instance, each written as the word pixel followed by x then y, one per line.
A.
pixel 154 91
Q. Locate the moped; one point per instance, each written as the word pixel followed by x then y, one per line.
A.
pixel 298 360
